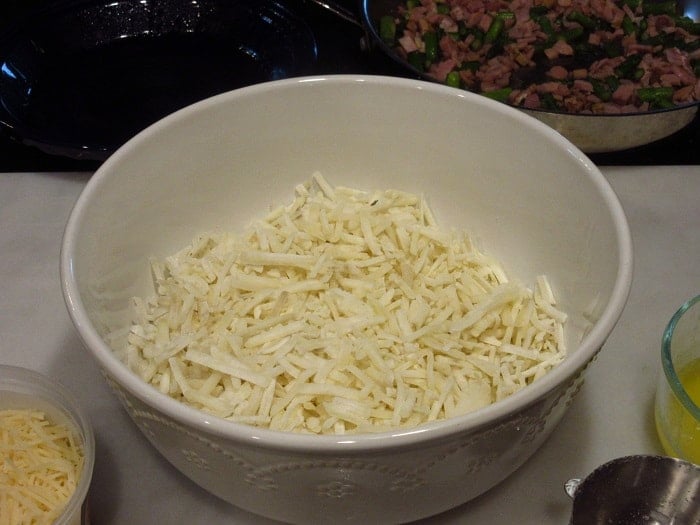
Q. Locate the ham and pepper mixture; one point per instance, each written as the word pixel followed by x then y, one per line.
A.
pixel 576 56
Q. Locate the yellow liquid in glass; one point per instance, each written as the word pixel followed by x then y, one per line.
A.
pixel 680 435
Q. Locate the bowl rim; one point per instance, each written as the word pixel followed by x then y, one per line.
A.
pixel 328 444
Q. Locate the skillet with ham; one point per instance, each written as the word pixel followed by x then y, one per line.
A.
pixel 574 56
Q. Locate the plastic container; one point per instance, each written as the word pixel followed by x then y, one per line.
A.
pixel 21 388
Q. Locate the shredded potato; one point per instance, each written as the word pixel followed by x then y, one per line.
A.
pixel 342 312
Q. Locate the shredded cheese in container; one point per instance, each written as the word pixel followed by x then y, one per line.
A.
pixel 40 465
pixel 342 312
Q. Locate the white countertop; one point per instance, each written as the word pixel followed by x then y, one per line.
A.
pixel 132 484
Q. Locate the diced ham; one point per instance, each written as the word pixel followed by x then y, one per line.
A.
pixel 553 88
pixel 605 67
pixel 583 86
pixel 495 74
pixel 558 48
pixel 485 22
pixel 674 56
pixel 532 101
pixel 624 94
pixel 669 80
pixel 516 59
pixel 451 49
pixel 639 48
pixel 458 13
pixel 474 18
pixel 595 39
pixel 558 73
pixel 563 48
pixel 684 94
pixel 408 44
pixel 442 69
pixel 448 25
pixel 579 74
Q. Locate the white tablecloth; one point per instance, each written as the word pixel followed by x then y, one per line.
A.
pixel 133 484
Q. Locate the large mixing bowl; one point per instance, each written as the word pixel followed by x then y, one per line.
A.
pixel 523 192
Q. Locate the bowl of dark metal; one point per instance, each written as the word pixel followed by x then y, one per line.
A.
pixel 80 77
pixel 637 490
pixel 447 31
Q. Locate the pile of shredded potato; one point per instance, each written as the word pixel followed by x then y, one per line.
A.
pixel 40 465
pixel 343 312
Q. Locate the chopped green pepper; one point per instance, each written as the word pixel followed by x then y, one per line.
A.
pixel 657 97
pixel 547 101
pixel 584 20
pixel 430 40
pixel 472 65
pixel 628 26
pixel 387 29
pixel 538 10
pixel 688 24
pixel 453 79
pixel 571 35
pixel 501 95
pixel 643 25
pixel 613 48
pixel 478 41
pixel 417 60
pixel 613 82
pixel 628 68
pixel 667 7
pixel 545 25
pixel 605 88
pixel 443 9
pixel 495 30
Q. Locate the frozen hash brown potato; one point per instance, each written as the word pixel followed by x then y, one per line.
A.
pixel 344 311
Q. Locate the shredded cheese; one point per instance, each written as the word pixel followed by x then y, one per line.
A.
pixel 40 465
pixel 345 311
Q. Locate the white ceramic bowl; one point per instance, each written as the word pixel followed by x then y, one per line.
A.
pixel 529 196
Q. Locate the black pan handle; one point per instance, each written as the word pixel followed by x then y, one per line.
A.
pixel 340 11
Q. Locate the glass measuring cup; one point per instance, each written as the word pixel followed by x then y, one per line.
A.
pixel 677 410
